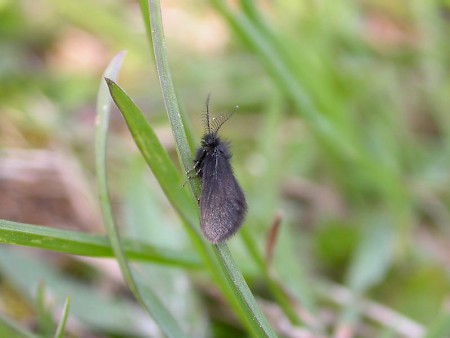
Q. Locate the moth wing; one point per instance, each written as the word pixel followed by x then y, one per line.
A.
pixel 222 202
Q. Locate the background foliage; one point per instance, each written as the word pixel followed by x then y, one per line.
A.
pixel 341 143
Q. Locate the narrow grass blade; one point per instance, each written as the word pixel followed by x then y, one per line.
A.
pixel 83 244
pixel 62 323
pixel 143 4
pixel 259 323
pixel 168 91
pixel 155 155
pixel 44 315
pixel 252 315
pixel 151 303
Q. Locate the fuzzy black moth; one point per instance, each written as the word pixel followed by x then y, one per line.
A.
pixel 222 202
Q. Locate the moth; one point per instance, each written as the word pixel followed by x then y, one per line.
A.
pixel 222 201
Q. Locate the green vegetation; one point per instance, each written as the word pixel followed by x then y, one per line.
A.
pixel 341 142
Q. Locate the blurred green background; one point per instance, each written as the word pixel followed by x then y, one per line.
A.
pixel 343 132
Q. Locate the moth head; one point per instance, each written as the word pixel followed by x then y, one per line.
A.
pixel 210 140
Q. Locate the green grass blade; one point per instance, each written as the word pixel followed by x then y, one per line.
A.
pixel 44 317
pixel 155 156
pixel 259 323
pixel 150 302
pixel 143 4
pixel 253 316
pixel 62 323
pixel 83 244
pixel 168 91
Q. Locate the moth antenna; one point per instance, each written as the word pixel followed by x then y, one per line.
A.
pixel 206 121
pixel 218 122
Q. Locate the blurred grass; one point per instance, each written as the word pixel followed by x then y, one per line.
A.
pixel 63 321
pixel 343 126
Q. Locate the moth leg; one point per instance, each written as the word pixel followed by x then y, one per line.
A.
pixel 194 169
pixel 197 172
pixel 199 157
pixel 188 172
